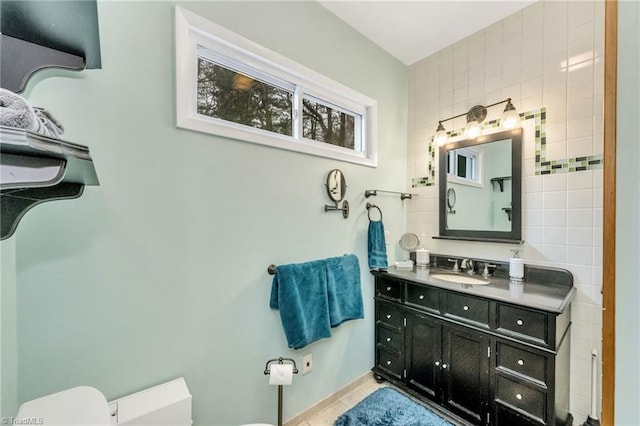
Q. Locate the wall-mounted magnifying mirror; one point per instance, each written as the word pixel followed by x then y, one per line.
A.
pixel 409 242
pixel 482 178
pixel 336 185
pixel 336 189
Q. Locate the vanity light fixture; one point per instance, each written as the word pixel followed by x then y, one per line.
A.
pixel 441 135
pixel 475 116
pixel 510 117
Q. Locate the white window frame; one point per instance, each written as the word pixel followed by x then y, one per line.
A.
pixel 476 165
pixel 195 34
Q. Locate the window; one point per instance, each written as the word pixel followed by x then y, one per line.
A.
pixel 229 86
pixel 464 166
pixel 326 123
pixel 238 98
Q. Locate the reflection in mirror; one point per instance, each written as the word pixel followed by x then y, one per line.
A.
pixel 451 200
pixel 482 178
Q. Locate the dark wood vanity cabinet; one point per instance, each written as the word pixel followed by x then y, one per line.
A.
pixel 487 361
pixel 448 364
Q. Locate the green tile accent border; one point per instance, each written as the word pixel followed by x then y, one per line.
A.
pixel 543 166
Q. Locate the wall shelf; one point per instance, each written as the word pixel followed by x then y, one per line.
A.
pixel 39 35
pixel 35 169
pixel 500 182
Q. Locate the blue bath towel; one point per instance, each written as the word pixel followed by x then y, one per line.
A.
pixel 314 296
pixel 344 288
pixel 299 291
pixel 377 247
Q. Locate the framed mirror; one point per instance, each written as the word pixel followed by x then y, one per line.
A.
pixel 482 177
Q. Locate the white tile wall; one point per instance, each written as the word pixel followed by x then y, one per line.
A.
pixel 548 55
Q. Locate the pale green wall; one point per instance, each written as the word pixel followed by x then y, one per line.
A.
pixel 627 395
pixel 160 271
pixel 8 354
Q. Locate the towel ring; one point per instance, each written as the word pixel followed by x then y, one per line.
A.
pixel 373 206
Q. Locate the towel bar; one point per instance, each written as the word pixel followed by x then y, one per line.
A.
pixel 271 269
pixel 374 192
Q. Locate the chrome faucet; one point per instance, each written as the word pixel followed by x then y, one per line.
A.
pixel 455 265
pixel 467 264
pixel 486 273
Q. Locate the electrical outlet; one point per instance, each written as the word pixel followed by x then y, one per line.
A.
pixel 307 364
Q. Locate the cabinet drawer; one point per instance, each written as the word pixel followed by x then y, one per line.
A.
pixel 525 323
pixel 389 315
pixel 508 417
pixel 528 364
pixel 389 339
pixel 524 398
pixel 388 289
pixel 389 362
pixel 423 297
pixel 467 308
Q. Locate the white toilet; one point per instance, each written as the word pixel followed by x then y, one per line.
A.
pixel 82 405
pixel 166 404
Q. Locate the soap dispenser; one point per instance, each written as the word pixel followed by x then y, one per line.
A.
pixel 516 267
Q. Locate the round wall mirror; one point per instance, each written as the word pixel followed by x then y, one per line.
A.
pixel 336 185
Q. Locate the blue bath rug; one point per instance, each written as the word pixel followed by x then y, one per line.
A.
pixel 388 407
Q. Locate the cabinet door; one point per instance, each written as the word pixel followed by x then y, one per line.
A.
pixel 424 355
pixel 465 371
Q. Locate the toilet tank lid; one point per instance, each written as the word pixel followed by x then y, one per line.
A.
pixel 82 405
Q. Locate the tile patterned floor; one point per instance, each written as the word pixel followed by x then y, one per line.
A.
pixel 327 416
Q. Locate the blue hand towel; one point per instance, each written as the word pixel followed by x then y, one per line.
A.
pixel 299 291
pixel 377 247
pixel 344 288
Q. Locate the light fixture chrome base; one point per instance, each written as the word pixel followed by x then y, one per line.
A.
pixel 477 113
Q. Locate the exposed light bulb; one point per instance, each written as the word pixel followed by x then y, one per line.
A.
pixel 473 129
pixel 510 117
pixel 441 135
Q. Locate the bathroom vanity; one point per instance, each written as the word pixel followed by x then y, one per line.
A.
pixel 493 353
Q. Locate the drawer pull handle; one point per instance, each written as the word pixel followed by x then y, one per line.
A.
pixel 465 307
pixel 388 339
pixel 388 316
pixel 388 362
pixel 389 288
pixel 438 363
pixel 444 365
pixel 519 322
pixel 421 297
pixel 520 362
pixel 519 396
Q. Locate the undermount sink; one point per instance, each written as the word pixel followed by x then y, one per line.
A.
pixel 459 279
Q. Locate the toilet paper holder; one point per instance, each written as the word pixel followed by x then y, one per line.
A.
pixel 280 360
pixel 267 371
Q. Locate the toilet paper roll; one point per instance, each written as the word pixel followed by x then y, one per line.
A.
pixel 281 374
pixel 516 268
